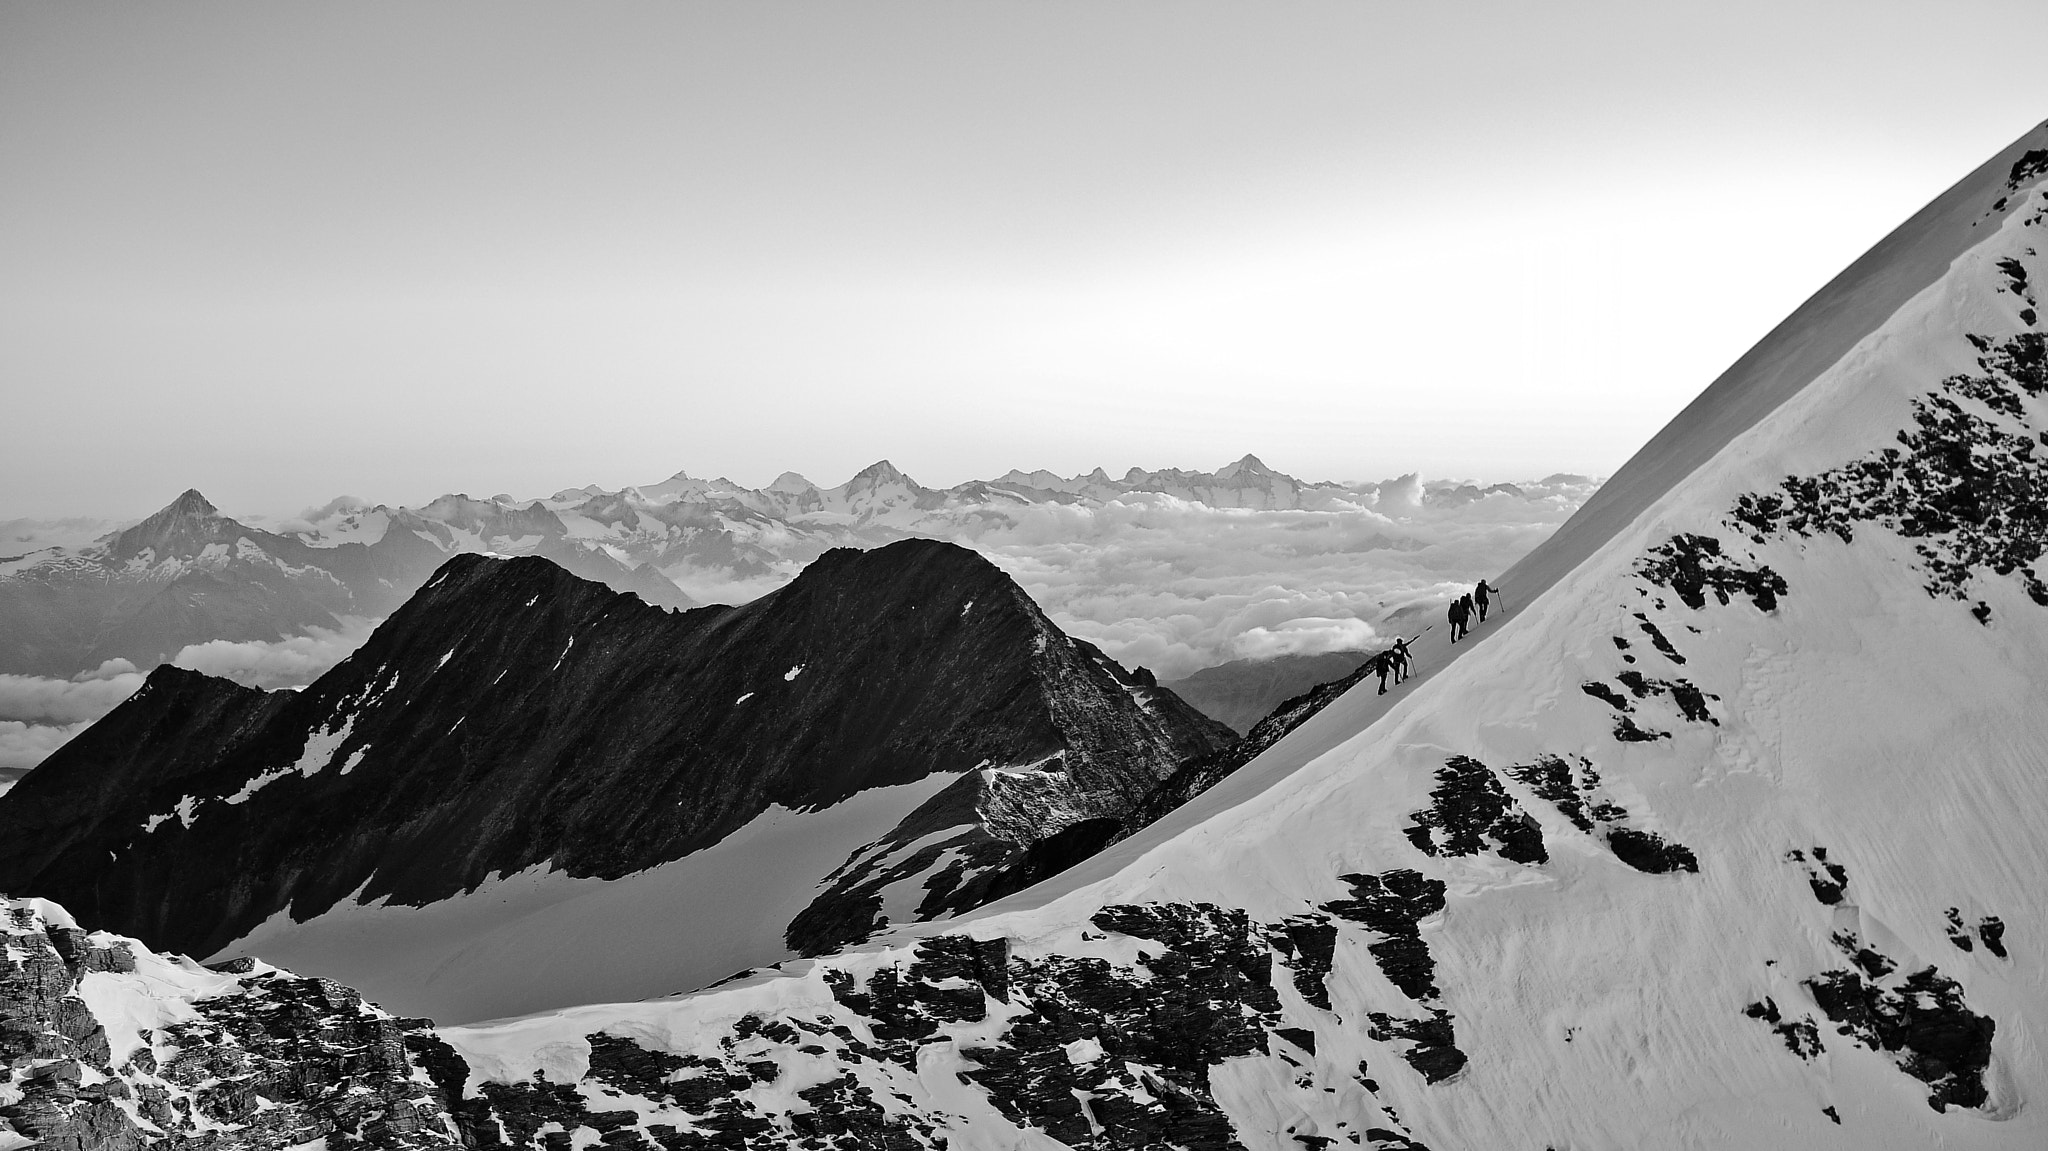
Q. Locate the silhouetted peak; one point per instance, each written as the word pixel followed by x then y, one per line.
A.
pixel 1250 465
pixel 892 564
pixel 191 503
pixel 879 472
pixel 183 526
pixel 471 574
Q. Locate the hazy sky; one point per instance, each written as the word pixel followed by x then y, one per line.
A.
pixel 282 252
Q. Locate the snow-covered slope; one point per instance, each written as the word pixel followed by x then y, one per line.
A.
pixel 1727 835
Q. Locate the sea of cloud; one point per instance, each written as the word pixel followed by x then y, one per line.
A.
pixel 293 662
pixel 1176 586
pixel 39 713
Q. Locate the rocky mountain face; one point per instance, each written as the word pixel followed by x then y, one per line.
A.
pixel 513 720
pixel 189 575
pixel 1724 835
pixel 109 1046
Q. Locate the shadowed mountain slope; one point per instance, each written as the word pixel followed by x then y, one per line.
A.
pixel 512 716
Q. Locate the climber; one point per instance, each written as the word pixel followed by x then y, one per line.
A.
pixel 1481 596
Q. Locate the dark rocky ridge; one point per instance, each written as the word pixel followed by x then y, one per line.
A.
pixel 1193 777
pixel 512 714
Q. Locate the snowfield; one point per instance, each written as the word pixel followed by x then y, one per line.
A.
pixel 528 938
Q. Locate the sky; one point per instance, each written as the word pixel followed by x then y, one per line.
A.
pixel 286 252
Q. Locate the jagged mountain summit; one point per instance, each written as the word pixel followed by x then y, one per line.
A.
pixel 186 574
pixel 189 575
pixel 519 764
pixel 1725 835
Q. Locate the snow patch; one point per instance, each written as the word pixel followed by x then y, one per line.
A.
pixel 542 939
pixel 185 809
pixel 317 756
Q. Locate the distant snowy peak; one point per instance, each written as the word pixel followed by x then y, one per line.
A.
pixel 1248 466
pixel 184 575
pixel 183 529
pixel 188 574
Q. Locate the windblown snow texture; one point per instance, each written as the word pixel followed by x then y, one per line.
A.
pixel 512 715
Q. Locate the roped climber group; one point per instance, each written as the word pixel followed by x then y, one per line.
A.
pixel 1395 662
pixel 1474 602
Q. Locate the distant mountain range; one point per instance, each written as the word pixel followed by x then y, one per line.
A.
pixel 189 574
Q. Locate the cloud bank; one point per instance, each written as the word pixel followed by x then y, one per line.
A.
pixel 38 714
pixel 1177 585
pixel 293 662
